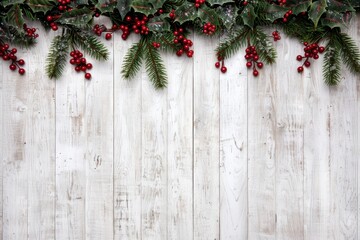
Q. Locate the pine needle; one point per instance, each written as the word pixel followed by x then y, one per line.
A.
pixel 349 52
pixel 154 65
pixel 133 60
pixel 332 64
pixel 56 60
pixel 264 47
pixel 233 44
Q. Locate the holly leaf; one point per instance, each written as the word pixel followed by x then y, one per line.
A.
pixel 298 6
pixel 338 6
pixel 41 5
pixel 333 19
pixel 15 17
pixel 185 12
pixel 248 16
pixel 158 24
pixel 6 3
pixel 317 9
pixel 207 14
pixel 84 2
pixel 106 5
pixel 274 12
pixel 143 7
pixel 77 17
pixel 124 6
pixel 229 14
pixel 219 2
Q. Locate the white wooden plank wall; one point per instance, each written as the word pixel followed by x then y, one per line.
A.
pixel 212 157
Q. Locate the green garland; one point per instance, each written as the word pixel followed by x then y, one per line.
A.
pixel 165 25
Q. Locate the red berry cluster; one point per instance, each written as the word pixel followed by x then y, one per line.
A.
pixel 172 14
pixel 198 3
pixel 278 2
pixel 276 35
pixel 310 51
pixel 136 24
pixel 156 44
pixel 184 43
pixel 209 29
pixel 287 15
pixel 253 60
pixel 63 5
pixel 99 29
pixel 223 69
pixel 30 32
pixel 80 63
pixel 53 24
pixel 9 55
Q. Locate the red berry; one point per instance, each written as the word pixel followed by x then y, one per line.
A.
pixel 321 49
pixel 87 76
pixel 21 62
pixel 12 67
pixel 299 58
pixel 260 64
pixel 300 69
pixel 49 18
pixel 255 73
pixel 249 64
pixel 21 71
pixel 217 64
pixel 89 66
pixel 307 64
pixel 108 36
pixel 316 56
pixel 223 69
pixel 54 27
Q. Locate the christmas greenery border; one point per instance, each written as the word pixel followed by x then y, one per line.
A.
pixel 165 25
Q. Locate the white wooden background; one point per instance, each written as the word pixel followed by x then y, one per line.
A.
pixel 213 156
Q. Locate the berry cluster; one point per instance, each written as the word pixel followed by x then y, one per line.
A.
pixel 63 5
pixel 253 60
pixel 156 44
pixel 310 51
pixel 172 14
pixel 80 63
pixel 51 20
pixel 9 55
pixel 287 15
pixel 223 69
pixel 209 29
pixel 137 24
pixel 30 32
pixel 278 2
pixel 184 43
pixel 99 29
pixel 276 35
pixel 198 3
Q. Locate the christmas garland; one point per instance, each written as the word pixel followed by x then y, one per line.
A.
pixel 165 25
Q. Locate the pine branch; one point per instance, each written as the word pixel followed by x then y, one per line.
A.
pixel 264 47
pixel 154 66
pixel 90 44
pixel 133 60
pixel 332 64
pixel 166 41
pixel 15 36
pixel 56 59
pixel 234 43
pixel 349 51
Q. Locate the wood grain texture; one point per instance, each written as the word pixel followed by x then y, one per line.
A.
pixel 154 191
pixel 289 109
pixel 206 141
pixel 2 144
pixel 180 148
pixel 40 145
pixel 127 148
pixel 233 150
pixel 261 155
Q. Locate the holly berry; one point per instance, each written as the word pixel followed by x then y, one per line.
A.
pixel 198 3
pixel 80 63
pixel 276 36
pixel 12 67
pixel 30 32
pixel 217 64
pixel 156 45
pixel 21 71
pixel 172 14
pixel 182 42
pixel 209 29
pixel 252 58
pixel 108 36
pixel 223 69
pixel 88 76
pixel 310 51
pixel 255 73
pixel 300 69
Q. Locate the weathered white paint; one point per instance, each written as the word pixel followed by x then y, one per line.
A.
pixel 211 157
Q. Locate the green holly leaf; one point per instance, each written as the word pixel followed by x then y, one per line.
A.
pixel 298 6
pixel 185 12
pixel 248 15
pixel 41 5
pixel 333 19
pixel 274 12
pixel 106 5
pixel 124 7
pixel 229 14
pixel 6 3
pixel 158 24
pixel 77 17
pixel 340 6
pixel 206 14
pixel 15 17
pixel 317 9
pixel 143 7
pixel 82 2
pixel 219 2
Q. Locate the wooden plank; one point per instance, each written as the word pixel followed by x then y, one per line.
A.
pixel 206 140
pixel 289 108
pixel 233 150
pixel 127 148
pixel 261 154
pixel 180 142
pixel 16 114
pixel 316 154
pixel 343 161
pixel 40 142
pixel 99 155
pixel 2 144
pixel 71 137
pixel 358 121
pixel 154 161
